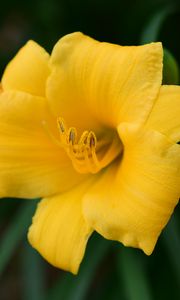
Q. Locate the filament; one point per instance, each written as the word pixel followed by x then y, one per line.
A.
pixel 83 151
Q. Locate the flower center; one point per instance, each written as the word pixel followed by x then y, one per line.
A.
pixel 88 155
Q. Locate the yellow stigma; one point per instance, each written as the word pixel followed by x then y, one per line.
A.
pixel 83 151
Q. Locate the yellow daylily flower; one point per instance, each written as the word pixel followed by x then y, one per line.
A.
pixel 91 130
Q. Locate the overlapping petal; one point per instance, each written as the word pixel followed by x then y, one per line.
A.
pixel 31 164
pixel 59 231
pixel 28 71
pixel 165 116
pixel 104 82
pixel 133 200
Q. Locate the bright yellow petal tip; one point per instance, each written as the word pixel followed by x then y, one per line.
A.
pixel 28 70
pixel 59 231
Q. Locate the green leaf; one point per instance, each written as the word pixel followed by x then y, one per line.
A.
pixel 170 69
pixel 33 274
pixel 61 288
pixel 133 274
pixel 7 207
pixel 171 239
pixel 15 232
pixel 72 287
pixel 154 25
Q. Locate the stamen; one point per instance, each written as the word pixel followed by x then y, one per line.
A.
pixel 82 152
pixel 61 125
pixel 72 135
pixel 83 138
pixel 92 140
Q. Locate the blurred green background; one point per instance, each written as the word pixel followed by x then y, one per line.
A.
pixel 109 271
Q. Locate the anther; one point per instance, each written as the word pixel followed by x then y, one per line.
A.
pixel 61 125
pixel 92 140
pixel 82 151
pixel 72 136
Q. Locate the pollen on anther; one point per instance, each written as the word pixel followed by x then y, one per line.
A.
pixel 92 140
pixel 61 125
pixel 72 136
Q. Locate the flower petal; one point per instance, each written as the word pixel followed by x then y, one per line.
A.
pixel 32 165
pixel 107 82
pixel 28 70
pixel 59 231
pixel 165 116
pixel 133 202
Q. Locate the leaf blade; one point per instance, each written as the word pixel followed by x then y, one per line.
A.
pixel 15 232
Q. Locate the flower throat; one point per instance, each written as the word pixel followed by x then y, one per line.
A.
pixel 88 155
